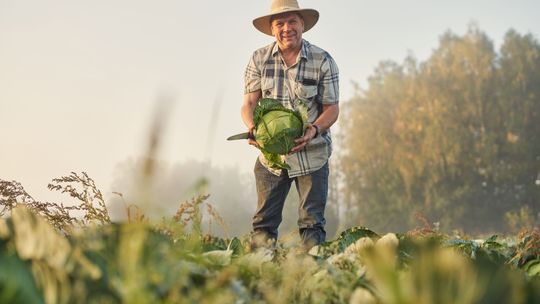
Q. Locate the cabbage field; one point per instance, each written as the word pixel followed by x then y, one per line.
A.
pixel 47 255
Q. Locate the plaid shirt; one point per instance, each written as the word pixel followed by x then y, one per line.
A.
pixel 314 79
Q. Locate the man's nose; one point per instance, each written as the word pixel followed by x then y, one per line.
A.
pixel 286 26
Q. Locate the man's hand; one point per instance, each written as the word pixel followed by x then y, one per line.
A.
pixel 249 104
pixel 251 138
pixel 301 142
pixel 327 118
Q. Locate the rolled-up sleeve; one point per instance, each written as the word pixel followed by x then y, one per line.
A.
pixel 329 83
pixel 252 77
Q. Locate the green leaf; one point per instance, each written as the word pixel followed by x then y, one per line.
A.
pixel 351 235
pixel 302 110
pixel 218 257
pixel 17 284
pixel 275 160
pixel 532 267
pixel 277 127
pixel 491 239
pixel 236 246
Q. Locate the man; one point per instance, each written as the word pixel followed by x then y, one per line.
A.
pixel 291 69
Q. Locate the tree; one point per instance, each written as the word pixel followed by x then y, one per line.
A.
pixel 454 138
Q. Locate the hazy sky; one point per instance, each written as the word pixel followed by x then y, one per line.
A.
pixel 79 79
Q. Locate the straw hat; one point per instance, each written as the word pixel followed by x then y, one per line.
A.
pixel 309 15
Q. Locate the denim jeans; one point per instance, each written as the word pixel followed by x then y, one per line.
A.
pixel 272 191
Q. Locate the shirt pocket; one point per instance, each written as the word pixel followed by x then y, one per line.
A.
pixel 306 92
pixel 267 88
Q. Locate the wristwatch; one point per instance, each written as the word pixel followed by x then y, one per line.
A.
pixel 317 131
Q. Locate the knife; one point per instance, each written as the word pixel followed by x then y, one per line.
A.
pixel 245 135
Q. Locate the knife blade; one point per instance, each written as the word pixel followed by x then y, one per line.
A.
pixel 245 135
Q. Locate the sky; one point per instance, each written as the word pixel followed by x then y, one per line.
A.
pixel 80 80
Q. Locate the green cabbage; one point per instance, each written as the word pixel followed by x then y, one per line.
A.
pixel 276 129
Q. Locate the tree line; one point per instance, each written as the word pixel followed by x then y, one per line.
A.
pixel 455 138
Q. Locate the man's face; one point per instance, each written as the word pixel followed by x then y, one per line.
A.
pixel 288 28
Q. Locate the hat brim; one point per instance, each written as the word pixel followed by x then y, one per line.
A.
pixel 309 15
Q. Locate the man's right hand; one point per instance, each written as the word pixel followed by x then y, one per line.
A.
pixel 251 138
pixel 248 106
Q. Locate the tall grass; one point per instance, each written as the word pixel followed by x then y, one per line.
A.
pixel 57 259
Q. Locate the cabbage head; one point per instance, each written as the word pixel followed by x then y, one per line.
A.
pixel 276 129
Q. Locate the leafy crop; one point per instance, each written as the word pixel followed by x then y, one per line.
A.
pixel 277 128
pixel 174 261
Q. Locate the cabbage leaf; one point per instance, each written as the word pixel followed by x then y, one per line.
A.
pixel 276 129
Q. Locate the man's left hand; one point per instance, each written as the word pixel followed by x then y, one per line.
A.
pixel 301 142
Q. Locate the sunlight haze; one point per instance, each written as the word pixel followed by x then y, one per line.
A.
pixel 79 80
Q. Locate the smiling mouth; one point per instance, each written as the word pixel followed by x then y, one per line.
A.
pixel 289 35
